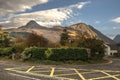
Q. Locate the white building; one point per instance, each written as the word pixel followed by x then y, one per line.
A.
pixel 110 50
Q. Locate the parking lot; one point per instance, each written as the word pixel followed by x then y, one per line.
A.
pixel 61 73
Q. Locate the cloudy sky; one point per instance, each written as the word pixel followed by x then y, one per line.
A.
pixel 104 15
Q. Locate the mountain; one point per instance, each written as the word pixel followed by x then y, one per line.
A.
pixel 83 30
pixel 117 38
pixel 102 36
pixel 31 25
pixel 107 40
pixel 53 34
pixel 58 27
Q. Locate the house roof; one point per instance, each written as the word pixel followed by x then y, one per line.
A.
pixel 113 46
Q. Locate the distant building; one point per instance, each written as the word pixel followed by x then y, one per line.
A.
pixel 110 50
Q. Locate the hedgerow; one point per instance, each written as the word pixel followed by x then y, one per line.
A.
pixel 55 54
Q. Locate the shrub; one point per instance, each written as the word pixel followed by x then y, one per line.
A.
pixel 68 54
pixel 96 46
pixel 6 51
pixel 34 53
pixel 48 53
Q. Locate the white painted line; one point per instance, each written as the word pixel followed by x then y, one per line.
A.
pixel 24 76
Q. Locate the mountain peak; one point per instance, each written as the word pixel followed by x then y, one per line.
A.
pixel 79 26
pixel 118 35
pixel 32 23
pixel 117 38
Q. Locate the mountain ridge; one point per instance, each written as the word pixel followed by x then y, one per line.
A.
pixel 53 34
pixel 117 38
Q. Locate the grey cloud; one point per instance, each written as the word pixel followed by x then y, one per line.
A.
pixel 47 17
pixel 11 6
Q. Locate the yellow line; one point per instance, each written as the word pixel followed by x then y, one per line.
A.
pixel 52 72
pixel 80 75
pixel 30 69
pixel 110 75
pixel 66 74
pixel 87 72
pixel 111 71
pixel 9 68
pixel 64 70
pixel 35 74
pixel 103 77
pixel 41 71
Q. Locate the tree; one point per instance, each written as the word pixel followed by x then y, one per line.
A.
pixel 64 38
pixel 36 40
pixel 95 45
pixel 4 39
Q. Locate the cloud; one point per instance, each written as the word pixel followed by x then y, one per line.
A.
pixel 12 6
pixel 97 22
pixel 46 17
pixel 117 20
pixel 116 28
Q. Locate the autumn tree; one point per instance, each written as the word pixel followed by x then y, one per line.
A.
pixel 36 40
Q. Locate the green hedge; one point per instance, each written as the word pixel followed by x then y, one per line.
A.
pixel 34 53
pixel 63 54
pixel 6 51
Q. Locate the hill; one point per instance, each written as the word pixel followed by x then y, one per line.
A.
pixel 53 34
pixel 117 38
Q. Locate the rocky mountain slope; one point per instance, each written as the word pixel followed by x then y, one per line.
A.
pixel 117 38
pixel 102 36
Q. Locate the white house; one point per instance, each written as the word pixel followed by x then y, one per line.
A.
pixel 110 50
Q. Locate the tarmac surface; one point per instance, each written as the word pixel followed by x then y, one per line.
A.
pixel 23 71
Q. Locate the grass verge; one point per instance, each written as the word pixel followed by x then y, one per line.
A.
pixel 49 62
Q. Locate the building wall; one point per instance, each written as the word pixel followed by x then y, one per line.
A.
pixel 109 52
pixel 112 52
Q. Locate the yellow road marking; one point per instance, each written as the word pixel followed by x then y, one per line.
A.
pixel 66 74
pixel 64 70
pixel 41 71
pixel 9 68
pixel 52 72
pixel 98 70
pixel 111 71
pixel 103 77
pixel 35 74
pixel 88 72
pixel 30 69
pixel 41 68
pixel 110 75
pixel 69 69
pixel 80 75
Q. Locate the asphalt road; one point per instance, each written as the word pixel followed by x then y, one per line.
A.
pixel 23 71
